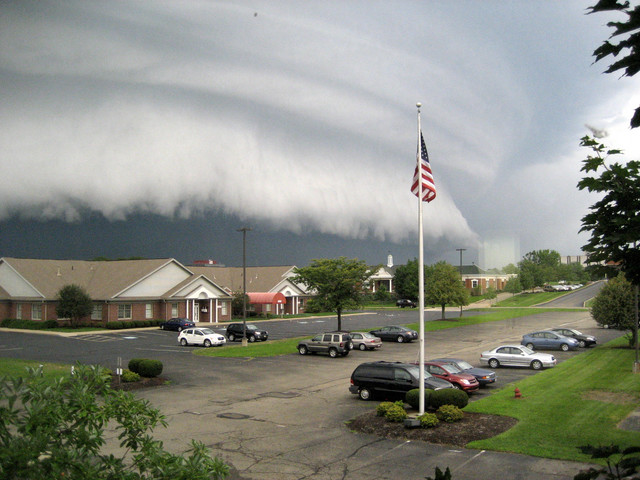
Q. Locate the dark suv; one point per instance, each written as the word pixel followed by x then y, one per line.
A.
pixel 235 330
pixel 331 343
pixel 391 378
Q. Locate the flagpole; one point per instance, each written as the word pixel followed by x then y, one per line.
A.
pixel 420 272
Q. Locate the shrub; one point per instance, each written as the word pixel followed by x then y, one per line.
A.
pixel 129 376
pixel 149 368
pixel 449 413
pixel 448 396
pixel 313 306
pixel 50 324
pixel 382 408
pixel 134 364
pixel 428 420
pixel 396 412
pixel 412 397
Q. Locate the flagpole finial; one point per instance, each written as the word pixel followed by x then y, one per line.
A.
pixel 418 104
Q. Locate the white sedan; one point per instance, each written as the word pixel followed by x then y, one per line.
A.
pixel 201 336
pixel 517 356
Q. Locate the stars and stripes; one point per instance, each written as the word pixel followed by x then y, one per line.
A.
pixel 423 166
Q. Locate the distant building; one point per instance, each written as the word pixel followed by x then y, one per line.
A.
pixel 474 278
pixel 384 277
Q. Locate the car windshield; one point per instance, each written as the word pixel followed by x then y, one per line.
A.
pixel 369 335
pixel 251 327
pixel 415 372
pixel 451 368
pixel 207 331
pixel 464 365
pixel 526 350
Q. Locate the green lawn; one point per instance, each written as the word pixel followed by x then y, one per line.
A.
pixel 576 403
pixel 11 367
pixel 529 299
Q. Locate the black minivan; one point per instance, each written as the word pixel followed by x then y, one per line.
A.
pixel 390 378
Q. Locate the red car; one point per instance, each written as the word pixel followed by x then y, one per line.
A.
pixel 459 379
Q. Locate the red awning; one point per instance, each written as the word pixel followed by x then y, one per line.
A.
pixel 263 298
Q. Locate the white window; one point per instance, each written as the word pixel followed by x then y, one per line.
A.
pixel 124 311
pixel 224 308
pixel 96 313
pixel 174 310
pixel 268 308
pixel 19 311
pixel 474 283
pixel 148 313
pixel 36 311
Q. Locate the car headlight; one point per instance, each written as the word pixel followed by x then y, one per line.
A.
pixel 466 382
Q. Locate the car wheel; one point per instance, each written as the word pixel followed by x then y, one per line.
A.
pixel 564 347
pixel 231 337
pixel 493 363
pixel 364 394
pixel 536 364
pixel 530 346
pixel 207 343
pixel 582 343
pixel 183 342
pixel 333 353
pixel 252 339
pixel 400 339
pixel 302 349
pixel 362 347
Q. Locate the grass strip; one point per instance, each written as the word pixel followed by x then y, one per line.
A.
pixel 579 402
pixel 270 348
pixel 529 299
pixel 12 367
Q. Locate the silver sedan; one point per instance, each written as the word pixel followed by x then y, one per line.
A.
pixel 517 356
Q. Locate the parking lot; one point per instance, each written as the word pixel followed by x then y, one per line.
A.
pixel 285 416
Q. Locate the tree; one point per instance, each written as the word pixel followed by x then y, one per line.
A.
pixel 405 280
pixel 513 286
pixel 614 306
pixel 55 429
pixel 443 286
pixel 337 283
pixel 511 268
pixel 237 303
pixel 539 267
pixel 629 33
pixel 614 220
pixel 74 303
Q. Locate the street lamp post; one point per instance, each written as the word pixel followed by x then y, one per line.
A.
pixel 244 231
pixel 460 250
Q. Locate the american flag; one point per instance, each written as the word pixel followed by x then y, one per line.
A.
pixel 428 186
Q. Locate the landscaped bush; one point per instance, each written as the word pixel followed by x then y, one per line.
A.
pixel 448 396
pixel 50 324
pixel 396 412
pixel 312 306
pixel 129 376
pixel 134 364
pixel 412 397
pixel 381 409
pixel 149 368
pixel 428 420
pixel 449 413
pixel 23 324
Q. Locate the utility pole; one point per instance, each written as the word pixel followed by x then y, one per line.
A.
pixel 460 250
pixel 244 231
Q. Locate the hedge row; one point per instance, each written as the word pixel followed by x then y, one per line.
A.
pixel 40 325
pixel 434 399
pixel 145 367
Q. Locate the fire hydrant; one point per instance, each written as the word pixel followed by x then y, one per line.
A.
pixel 517 392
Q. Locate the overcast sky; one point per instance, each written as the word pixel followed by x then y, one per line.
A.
pixel 159 128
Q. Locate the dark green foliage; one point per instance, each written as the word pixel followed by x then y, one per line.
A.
pixel 74 303
pixel 428 420
pixel 440 475
pixel 50 323
pixel 26 324
pixel 405 280
pixel 614 220
pixel 449 413
pixel 448 396
pixel 620 463
pixel 443 287
pixel 145 367
pixel 55 430
pixel 412 397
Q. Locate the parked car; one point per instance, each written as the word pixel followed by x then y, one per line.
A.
pixel 547 339
pixel 583 340
pixel 331 343
pixel 405 302
pixel 450 373
pixel 177 324
pixel 516 356
pixel 365 341
pixel 390 378
pixel 235 332
pixel 201 336
pixel 483 375
pixel 395 333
